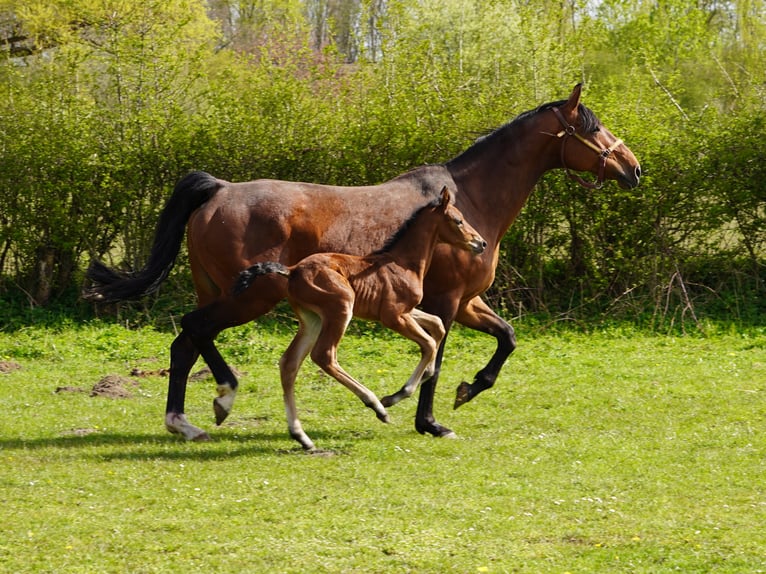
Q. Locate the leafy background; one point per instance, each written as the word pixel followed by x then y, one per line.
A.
pixel 107 103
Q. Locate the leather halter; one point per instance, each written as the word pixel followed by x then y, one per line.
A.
pixel 570 130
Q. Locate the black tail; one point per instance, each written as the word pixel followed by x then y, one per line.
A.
pixel 247 276
pixel 110 286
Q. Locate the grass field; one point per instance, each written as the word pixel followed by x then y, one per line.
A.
pixel 614 451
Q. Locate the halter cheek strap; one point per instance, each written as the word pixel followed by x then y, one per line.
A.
pixel 570 130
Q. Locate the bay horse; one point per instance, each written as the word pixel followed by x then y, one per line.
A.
pixel 326 290
pixel 231 226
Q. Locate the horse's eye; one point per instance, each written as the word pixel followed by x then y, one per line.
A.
pixel 459 222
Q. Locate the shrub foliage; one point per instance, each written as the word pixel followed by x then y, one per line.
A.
pixel 106 105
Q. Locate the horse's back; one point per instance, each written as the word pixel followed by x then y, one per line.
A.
pixel 273 220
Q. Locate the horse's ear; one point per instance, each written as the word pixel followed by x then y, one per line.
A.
pixel 574 98
pixel 446 196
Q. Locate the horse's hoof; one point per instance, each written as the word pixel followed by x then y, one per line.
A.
pixel 177 424
pixel 435 429
pixel 383 417
pixel 463 394
pixel 388 401
pixel 202 437
pixel 220 412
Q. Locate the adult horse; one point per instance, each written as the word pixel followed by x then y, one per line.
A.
pixel 231 226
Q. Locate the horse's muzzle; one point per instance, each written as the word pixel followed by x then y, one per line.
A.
pixel 477 245
pixel 628 180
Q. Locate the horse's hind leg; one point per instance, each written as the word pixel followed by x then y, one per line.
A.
pixel 203 325
pixel 324 354
pixel 290 364
pixel 427 331
pixel 183 355
pixel 199 329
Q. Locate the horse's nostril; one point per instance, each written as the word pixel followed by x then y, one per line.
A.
pixel 638 172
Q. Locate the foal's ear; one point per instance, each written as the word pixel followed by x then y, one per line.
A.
pixel 574 98
pixel 446 197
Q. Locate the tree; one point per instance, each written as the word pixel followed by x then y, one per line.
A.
pixel 89 116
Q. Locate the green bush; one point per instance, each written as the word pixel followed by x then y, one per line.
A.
pixel 102 117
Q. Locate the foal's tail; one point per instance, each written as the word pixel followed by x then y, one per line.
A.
pixel 247 276
pixel 190 193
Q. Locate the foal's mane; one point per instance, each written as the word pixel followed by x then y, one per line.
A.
pixel 397 235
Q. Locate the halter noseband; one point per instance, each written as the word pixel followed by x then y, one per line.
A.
pixel 570 130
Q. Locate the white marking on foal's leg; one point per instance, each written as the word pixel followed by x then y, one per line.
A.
pixel 176 423
pixel 224 402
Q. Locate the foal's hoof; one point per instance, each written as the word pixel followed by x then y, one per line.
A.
pixel 463 394
pixel 202 437
pixel 388 401
pixel 384 417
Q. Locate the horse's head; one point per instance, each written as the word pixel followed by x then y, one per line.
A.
pixel 594 149
pixel 454 229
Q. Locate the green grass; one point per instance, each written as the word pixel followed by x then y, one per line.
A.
pixel 605 452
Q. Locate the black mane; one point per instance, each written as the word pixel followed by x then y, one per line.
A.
pixel 588 122
pixel 397 235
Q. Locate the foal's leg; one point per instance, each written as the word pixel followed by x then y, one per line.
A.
pixel 427 331
pixel 433 324
pixel 324 354
pixel 290 364
pixel 476 314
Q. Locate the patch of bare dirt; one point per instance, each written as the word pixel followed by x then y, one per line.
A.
pixel 201 375
pixel 8 367
pixel 114 387
pixel 206 373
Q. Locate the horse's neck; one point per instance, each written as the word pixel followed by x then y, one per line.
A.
pixel 495 177
pixel 414 249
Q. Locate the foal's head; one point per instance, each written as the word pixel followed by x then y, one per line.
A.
pixel 439 217
pixel 452 228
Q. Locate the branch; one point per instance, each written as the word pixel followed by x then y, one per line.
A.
pixel 668 94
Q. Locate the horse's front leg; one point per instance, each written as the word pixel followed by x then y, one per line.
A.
pixel 424 418
pixel 445 307
pixel 477 315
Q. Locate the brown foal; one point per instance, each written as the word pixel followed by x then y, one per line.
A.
pixel 327 289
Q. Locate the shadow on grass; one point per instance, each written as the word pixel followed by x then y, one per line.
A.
pixel 168 447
